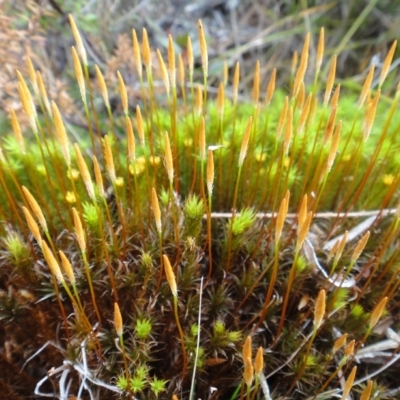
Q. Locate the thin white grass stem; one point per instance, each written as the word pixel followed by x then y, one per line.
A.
pixel 198 342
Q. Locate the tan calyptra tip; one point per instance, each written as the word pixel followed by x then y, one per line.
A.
pixel 98 177
pixel 341 246
pixel 376 314
pixel 301 95
pixel 203 48
pixel 371 115
pixel 52 262
pixel 334 146
pixel 330 81
pixel 136 53
pixel 199 100
pixel 109 159
pixel 302 67
pixel 319 309
pixel 67 267
pixel 282 118
pixel 32 75
pixel 79 74
pixel 27 102
pixel 303 211
pixel 130 139
pixel 190 57
pixel 248 373
pixel 168 159
pixel 320 50
pixel 171 61
pixel 245 142
pixel 259 361
pixel 236 78
pixel 302 232
pixel 280 220
pixel 34 205
pixel 360 247
pixel 366 87
pixel 32 225
pixel 349 349
pixel 123 93
pixel 210 172
pixel 271 87
pixel 287 137
pixel 169 273
pixel 366 393
pixel 304 113
pixel 83 169
pixel 156 210
pixel 339 343
pixel 386 63
pixel 181 70
pixel 146 55
pixel 349 383
pixel 247 351
pixel 118 320
pixel 80 236
pixel 330 126
pixel 43 93
pixel 164 72
pixel 139 122
pixel 78 40
pixel 102 86
pixel 61 133
pixel 17 130
pixel 256 84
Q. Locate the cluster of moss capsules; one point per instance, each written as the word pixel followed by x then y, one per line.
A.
pixel 202 248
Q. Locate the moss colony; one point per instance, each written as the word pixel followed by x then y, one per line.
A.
pixel 196 247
